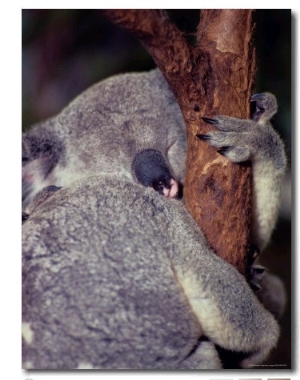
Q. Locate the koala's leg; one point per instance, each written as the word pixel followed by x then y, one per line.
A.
pixel 229 313
pixel 247 140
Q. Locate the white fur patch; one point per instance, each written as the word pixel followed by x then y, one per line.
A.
pixel 85 366
pixel 27 332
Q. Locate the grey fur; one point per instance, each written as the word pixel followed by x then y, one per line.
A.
pixel 102 130
pixel 256 141
pixel 97 292
pixel 116 275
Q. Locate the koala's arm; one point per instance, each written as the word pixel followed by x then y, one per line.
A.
pixel 256 141
pixel 229 313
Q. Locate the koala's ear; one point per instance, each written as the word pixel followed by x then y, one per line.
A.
pixel 39 156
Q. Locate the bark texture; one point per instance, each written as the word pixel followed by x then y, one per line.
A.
pixel 215 76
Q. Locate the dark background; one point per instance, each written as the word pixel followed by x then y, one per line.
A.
pixel 66 51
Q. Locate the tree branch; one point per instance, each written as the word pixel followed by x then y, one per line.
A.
pixel 214 77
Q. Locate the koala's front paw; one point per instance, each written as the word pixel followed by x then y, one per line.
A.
pixel 246 140
pixel 265 106
pixel 232 139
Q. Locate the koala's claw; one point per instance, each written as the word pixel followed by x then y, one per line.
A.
pixel 257 97
pixel 203 137
pixel 254 286
pixel 255 273
pixel 210 120
pixel 266 106
pixel 225 150
pixel 252 253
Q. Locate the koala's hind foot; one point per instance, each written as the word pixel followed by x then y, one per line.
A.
pixel 254 272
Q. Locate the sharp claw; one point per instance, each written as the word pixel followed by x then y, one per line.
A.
pixel 252 253
pixel 256 97
pixel 224 150
pixel 254 286
pixel 255 273
pixel 203 136
pixel 258 270
pixel 210 120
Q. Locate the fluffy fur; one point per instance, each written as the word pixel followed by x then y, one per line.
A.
pixel 115 274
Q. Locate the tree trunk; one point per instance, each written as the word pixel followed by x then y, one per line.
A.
pixel 215 76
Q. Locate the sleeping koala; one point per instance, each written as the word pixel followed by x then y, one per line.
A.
pixel 129 124
pixel 117 275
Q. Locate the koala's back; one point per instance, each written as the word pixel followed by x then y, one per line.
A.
pixel 98 290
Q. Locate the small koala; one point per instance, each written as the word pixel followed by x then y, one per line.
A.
pixel 117 275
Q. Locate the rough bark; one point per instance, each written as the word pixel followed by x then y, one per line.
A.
pixel 215 76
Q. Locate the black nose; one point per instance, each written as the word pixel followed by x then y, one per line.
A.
pixel 151 169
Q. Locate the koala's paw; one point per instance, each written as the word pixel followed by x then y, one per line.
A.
pixel 265 106
pixel 232 138
pixel 255 273
pixel 272 293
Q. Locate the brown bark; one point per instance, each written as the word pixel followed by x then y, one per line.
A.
pixel 215 76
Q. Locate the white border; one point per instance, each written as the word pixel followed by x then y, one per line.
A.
pixel 10 143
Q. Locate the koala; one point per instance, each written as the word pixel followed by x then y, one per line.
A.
pixel 128 124
pixel 116 272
